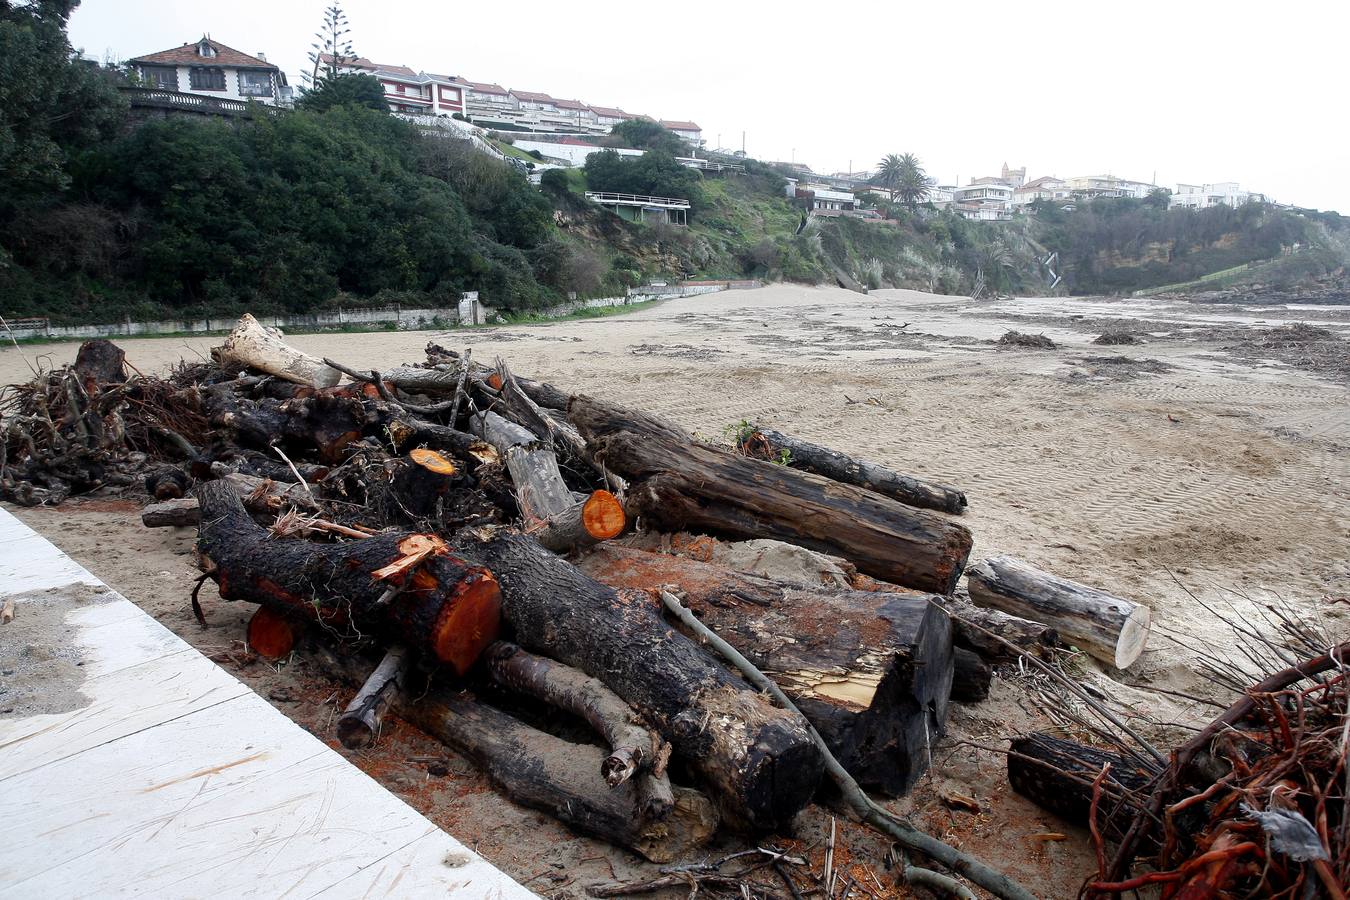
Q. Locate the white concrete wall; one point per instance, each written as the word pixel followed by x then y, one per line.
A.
pixel 405 319
pixel 572 153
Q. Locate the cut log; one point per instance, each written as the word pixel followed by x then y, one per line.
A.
pixel 1110 628
pixel 271 633
pixel 1057 776
pixel 634 747
pixel 253 346
pixel 549 510
pixel 437 603
pixel 599 517
pixel 178 513
pixel 973 625
pixel 758 758
pixel 407 431
pixel 689 484
pixel 547 773
pixel 167 484
pixel 766 443
pixel 872 672
pixel 971 677
pixel 359 725
pixel 100 362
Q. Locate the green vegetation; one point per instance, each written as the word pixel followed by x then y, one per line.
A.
pixel 644 134
pixel 654 174
pixel 340 203
pixel 345 90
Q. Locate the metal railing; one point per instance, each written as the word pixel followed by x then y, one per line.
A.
pixel 603 197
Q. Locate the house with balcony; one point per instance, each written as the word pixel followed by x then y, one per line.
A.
pixel 1093 187
pixel 212 69
pixel 940 195
pixel 1223 193
pixel 409 92
pixel 609 116
pixel 983 190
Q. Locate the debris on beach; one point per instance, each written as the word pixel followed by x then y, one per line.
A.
pixel 500 562
pixel 1117 338
pixel 1027 341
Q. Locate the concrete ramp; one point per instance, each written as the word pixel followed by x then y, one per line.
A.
pixel 132 765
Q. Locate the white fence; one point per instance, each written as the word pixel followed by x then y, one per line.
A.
pixel 403 319
pixel 470 312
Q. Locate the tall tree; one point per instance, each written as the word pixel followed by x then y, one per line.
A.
pixel 912 183
pixel 50 102
pixel 332 44
pixel 888 174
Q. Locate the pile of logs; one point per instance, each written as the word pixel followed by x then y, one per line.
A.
pixel 486 555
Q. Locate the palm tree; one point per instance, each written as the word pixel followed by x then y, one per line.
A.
pixel 912 183
pixel 889 172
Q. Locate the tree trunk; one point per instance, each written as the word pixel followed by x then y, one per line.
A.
pixel 1057 775
pixel 404 587
pixel 327 423
pixel 765 443
pixel 689 484
pixel 758 758
pixel 253 346
pixel 359 725
pixel 972 625
pixel 406 430
pixel 167 484
pixel 1110 628
pixel 871 671
pixel 100 362
pixel 634 747
pixel 171 513
pixel 543 394
pixel 971 677
pixel 547 773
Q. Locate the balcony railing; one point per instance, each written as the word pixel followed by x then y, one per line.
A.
pixel 610 197
pixel 221 106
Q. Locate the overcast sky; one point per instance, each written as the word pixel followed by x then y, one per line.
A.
pixel 1194 92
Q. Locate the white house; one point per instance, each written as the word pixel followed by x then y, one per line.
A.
pixel 409 92
pixel 1224 193
pixel 210 68
pixel 940 194
pixel 609 116
pixel 995 192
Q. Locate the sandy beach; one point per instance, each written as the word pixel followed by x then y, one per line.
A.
pixel 1186 464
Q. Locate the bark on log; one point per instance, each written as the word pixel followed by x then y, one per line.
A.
pixel 634 747
pixel 328 423
pixel 972 677
pixel 1110 628
pixel 766 443
pixel 100 362
pixel 270 633
pixel 597 517
pixel 686 484
pixel 259 495
pixel 758 758
pixel 359 725
pixel 253 346
pixel 441 605
pixel 872 672
pixel 547 773
pixel 1057 776
pixel 971 622
pixel 408 431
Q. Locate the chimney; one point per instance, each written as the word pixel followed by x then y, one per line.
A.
pixel 262 56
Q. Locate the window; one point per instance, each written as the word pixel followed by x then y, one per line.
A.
pixel 255 84
pixel 164 78
pixel 401 89
pixel 207 78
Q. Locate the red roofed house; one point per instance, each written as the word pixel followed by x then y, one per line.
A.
pixel 409 92
pixel 610 116
pixel 210 68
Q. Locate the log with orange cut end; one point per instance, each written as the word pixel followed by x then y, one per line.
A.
pixel 405 588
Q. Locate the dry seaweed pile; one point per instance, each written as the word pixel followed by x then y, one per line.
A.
pixel 1025 341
